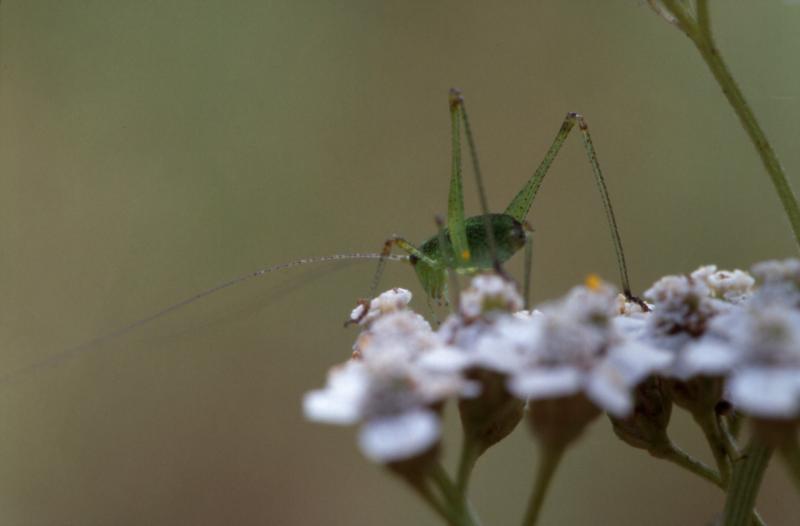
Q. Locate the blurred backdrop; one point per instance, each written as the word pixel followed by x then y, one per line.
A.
pixel 149 150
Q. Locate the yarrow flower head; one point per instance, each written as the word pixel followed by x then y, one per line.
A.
pixel 683 306
pixel 705 341
pixel 574 347
pixel 734 286
pixel 488 331
pixel 758 345
pixel 390 301
pixel 488 309
pixel 489 294
pixel 708 336
pixel 385 387
pixel 732 338
pixel 779 282
pixel 766 378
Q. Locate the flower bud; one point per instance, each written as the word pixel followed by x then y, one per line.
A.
pixel 557 422
pixel 491 416
pixel 646 428
pixel 699 395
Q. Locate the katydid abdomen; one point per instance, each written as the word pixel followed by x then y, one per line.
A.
pixel 509 237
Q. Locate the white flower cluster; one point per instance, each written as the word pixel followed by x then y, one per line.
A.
pixel 752 340
pixel 591 343
pixel 385 386
pixel 565 348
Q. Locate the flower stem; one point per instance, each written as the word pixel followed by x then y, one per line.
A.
pixel 728 439
pixel 698 29
pixel 459 507
pixel 680 458
pixel 424 491
pixel 791 456
pixel 745 484
pixel 551 457
pixel 710 425
pixel 469 455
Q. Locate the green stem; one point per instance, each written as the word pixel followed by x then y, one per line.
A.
pixel 433 502
pixel 728 439
pixel 745 484
pixel 735 421
pixel 469 455
pixel 551 457
pixel 791 455
pixel 699 32
pixel 709 424
pixel 682 459
pixel 459 507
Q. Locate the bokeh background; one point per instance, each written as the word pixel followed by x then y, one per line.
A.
pixel 149 150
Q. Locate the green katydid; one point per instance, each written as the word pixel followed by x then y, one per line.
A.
pixel 472 244
pixel 466 245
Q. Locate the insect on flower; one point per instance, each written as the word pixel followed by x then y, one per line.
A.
pixel 462 246
pixel 472 244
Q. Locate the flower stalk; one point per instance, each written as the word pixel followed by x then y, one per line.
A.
pixel 791 456
pixel 550 459
pixel 710 426
pixel 746 481
pixel 459 511
pixel 469 456
pixel 697 27
pixel 682 459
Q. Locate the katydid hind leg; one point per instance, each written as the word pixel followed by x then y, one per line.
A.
pixel 521 204
pixel 476 170
pixel 452 286
pixel 609 210
pixel 455 201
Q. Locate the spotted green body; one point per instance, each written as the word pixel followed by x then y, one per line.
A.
pixel 509 236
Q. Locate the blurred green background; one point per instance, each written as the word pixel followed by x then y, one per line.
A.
pixel 149 150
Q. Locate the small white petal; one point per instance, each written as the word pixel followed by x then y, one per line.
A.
pixel 488 292
pixel 320 406
pixel 766 392
pixel 445 359
pixel 612 381
pixel 341 401
pixel 395 438
pixel 471 389
pixel 630 326
pixel 546 382
pixel 609 391
pixel 635 361
pixel 706 357
pixel 392 300
pixel 358 313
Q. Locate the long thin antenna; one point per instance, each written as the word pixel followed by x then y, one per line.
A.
pixel 65 354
